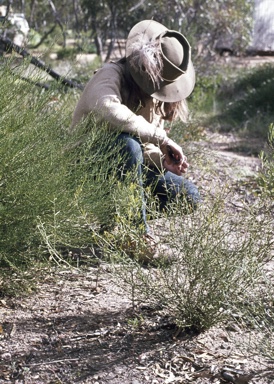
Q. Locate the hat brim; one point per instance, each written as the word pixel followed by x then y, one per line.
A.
pixel 177 90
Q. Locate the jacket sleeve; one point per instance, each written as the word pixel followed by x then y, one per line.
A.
pixel 102 97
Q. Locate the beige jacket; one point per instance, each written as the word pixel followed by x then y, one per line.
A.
pixel 102 97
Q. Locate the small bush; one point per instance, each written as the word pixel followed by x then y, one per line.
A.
pixel 204 97
pixel 34 37
pixel 216 265
pixel 67 53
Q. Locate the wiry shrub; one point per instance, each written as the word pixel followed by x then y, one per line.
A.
pixel 259 342
pixel 216 263
pixel 92 163
pixel 32 172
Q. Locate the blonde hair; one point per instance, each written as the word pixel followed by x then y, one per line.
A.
pixel 147 60
pixel 173 111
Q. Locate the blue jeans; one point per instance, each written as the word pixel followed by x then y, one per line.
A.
pixel 166 186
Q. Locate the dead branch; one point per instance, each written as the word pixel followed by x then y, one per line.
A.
pixel 43 38
pixel 58 21
pixel 38 63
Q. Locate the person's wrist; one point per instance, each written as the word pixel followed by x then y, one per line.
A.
pixel 165 142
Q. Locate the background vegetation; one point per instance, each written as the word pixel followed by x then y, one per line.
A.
pixel 97 25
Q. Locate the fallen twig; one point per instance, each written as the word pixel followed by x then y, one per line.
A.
pixel 52 362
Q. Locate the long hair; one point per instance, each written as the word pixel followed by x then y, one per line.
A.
pixel 146 58
pixel 134 97
pixel 173 111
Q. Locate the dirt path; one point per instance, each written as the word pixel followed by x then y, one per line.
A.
pixel 80 328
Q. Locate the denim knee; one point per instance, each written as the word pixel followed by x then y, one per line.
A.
pixel 131 150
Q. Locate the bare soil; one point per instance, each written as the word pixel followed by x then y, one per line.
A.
pixel 79 327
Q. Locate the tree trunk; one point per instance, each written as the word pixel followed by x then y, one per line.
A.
pixel 23 6
pixel 43 38
pixel 32 12
pixel 112 32
pixel 58 21
pixel 75 9
pixel 97 38
pixel 9 5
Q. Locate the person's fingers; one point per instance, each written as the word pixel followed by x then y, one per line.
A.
pixel 173 150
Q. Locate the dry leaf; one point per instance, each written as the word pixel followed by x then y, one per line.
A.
pixel 170 379
pixel 3 302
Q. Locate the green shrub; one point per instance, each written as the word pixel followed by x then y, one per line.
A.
pixel 216 266
pixel 67 53
pixel 53 193
pixel 245 101
pixel 32 173
pixel 203 98
pixel 34 37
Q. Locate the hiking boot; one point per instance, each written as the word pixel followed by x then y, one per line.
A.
pixel 149 250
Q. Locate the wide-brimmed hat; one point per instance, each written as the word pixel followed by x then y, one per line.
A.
pixel 159 61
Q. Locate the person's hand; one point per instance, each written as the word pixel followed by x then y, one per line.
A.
pixel 174 159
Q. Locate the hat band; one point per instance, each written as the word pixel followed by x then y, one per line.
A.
pixel 171 72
